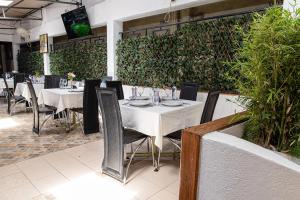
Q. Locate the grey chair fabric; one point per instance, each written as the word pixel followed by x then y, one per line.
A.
pixel 118 86
pixel 189 91
pixel 207 115
pixel 11 98
pixel 52 81
pixel 210 105
pixel 115 136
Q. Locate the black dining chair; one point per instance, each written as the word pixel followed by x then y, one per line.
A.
pixel 19 78
pixel 118 86
pixel 207 115
pixel 12 100
pixel 189 91
pixel 115 135
pixel 52 81
pixel 104 80
pixel 90 122
pixel 48 111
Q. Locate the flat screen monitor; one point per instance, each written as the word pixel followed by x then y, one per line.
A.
pixel 77 23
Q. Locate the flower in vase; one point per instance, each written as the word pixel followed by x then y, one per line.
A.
pixel 71 76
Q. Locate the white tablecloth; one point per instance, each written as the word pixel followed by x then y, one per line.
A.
pixel 23 90
pixel 10 83
pixel 61 98
pixel 160 120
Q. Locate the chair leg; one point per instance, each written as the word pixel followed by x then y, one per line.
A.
pixel 80 122
pixel 175 144
pixel 158 160
pixel 152 149
pixel 131 158
pixel 45 120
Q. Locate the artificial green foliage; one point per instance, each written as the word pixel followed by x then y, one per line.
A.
pixel 196 52
pixel 268 65
pixel 85 60
pixel 30 62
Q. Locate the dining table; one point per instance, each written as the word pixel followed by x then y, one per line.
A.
pixel 61 98
pixel 10 83
pixel 23 90
pixel 152 120
pixel 161 119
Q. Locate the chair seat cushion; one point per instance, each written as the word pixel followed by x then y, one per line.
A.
pixel 131 136
pixel 175 135
pixel 47 109
pixel 18 98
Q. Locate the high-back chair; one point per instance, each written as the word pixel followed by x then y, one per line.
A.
pixel 210 105
pixel 19 78
pixel 52 81
pixel 37 110
pixel 189 91
pixel 118 86
pixel 115 135
pixel 89 110
pixel 12 100
pixel 207 115
pixel 104 80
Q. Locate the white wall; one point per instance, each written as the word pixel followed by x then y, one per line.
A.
pixel 234 169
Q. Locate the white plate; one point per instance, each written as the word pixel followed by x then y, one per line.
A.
pixel 166 98
pixel 172 103
pixel 139 103
pixel 139 98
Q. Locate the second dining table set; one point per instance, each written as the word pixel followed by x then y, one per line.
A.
pixel 100 106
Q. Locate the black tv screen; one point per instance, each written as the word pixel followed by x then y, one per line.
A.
pixel 77 23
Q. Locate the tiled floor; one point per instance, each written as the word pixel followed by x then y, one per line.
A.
pixel 74 174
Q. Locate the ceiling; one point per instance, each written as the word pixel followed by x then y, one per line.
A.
pixel 23 8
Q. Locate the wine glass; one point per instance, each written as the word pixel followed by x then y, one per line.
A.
pixel 140 91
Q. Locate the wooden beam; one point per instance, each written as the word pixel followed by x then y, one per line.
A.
pixel 190 152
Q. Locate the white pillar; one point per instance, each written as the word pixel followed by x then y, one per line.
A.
pixel 15 51
pixel 113 35
pixel 46 57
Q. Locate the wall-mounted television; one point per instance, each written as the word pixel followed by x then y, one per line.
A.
pixel 77 23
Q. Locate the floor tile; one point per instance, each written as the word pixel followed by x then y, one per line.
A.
pixel 36 168
pixel 46 185
pixel 8 170
pixel 164 195
pixel 12 181
pixel 22 192
pixel 174 188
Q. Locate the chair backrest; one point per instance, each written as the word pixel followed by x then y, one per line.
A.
pixel 90 107
pixel 210 105
pixel 35 106
pixel 52 81
pixel 111 123
pixel 104 79
pixel 189 91
pixel 118 86
pixel 8 94
pixel 19 78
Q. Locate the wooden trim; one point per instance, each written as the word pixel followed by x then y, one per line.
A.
pixel 190 152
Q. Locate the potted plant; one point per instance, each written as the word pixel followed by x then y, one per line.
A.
pixel 267 75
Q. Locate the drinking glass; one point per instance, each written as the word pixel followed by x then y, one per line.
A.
pixel 140 91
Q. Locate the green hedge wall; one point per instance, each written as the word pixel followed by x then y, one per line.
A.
pixel 30 62
pixel 85 60
pixel 196 52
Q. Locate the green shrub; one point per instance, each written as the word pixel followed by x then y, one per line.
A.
pixel 268 65
pixel 196 52
pixel 30 62
pixel 85 60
